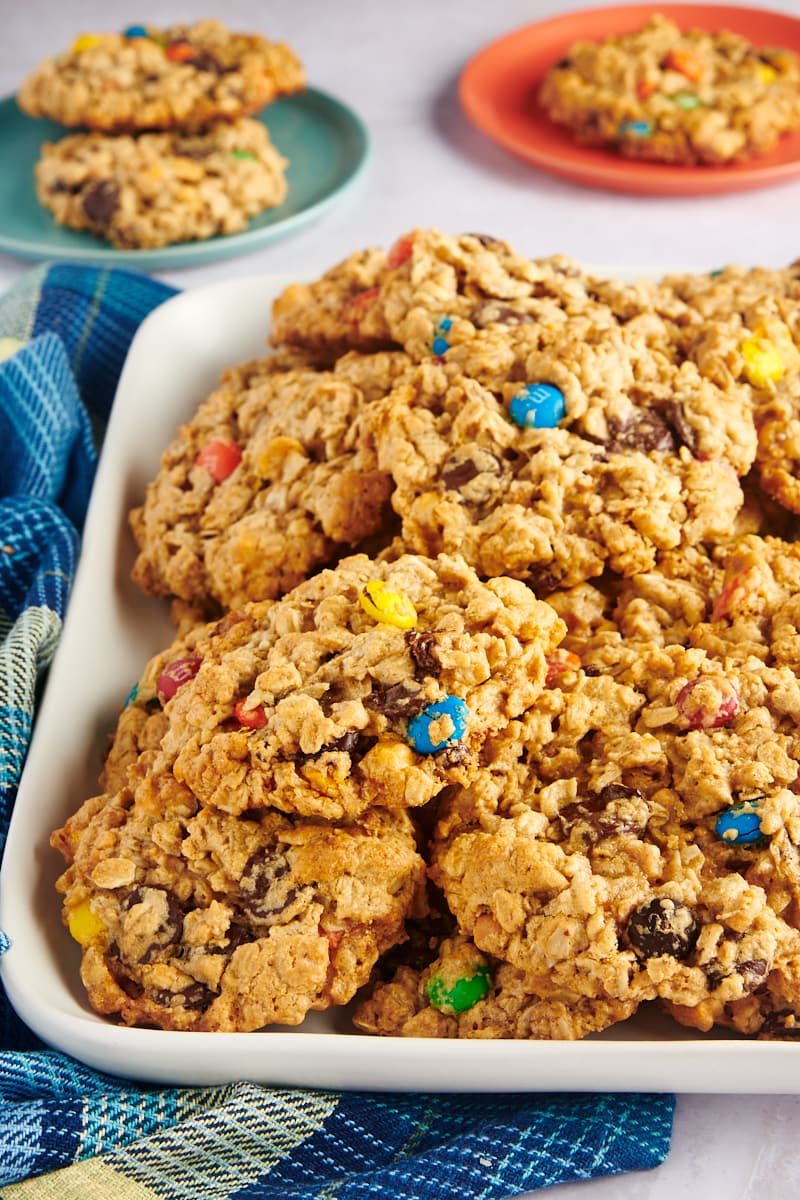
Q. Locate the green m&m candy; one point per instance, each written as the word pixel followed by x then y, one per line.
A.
pixel 460 994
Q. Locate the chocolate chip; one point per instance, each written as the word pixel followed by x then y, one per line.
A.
pixel 456 476
pixel 396 700
pixel 753 973
pixel 781 1025
pixel 204 60
pixel 543 579
pixel 263 884
pixel 684 432
pixel 618 791
pixel 166 918
pixel 455 754
pixel 466 464
pixel 422 648
pixel 644 431
pixel 485 239
pixel 663 926
pixel 493 312
pixel 195 996
pixel 100 201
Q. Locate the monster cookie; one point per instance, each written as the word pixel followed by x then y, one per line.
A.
pixel 679 96
pixel 156 189
pixel 142 721
pixel 514 486
pixel 182 76
pixel 431 291
pixel 266 483
pixel 750 331
pixel 370 684
pixel 191 918
pixel 635 833
pixel 466 994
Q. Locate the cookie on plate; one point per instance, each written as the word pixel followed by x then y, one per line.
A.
pixel 180 76
pixel 143 191
pixel 266 483
pixel 687 97
pixel 192 918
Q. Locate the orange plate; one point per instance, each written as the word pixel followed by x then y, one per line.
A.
pixel 498 91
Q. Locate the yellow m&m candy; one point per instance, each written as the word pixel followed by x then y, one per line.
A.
pixel 763 363
pixel 84 926
pixel 384 604
pixel 85 41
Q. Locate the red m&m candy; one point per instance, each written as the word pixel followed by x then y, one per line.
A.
pixel 220 459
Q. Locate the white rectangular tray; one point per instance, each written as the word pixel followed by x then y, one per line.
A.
pixel 110 631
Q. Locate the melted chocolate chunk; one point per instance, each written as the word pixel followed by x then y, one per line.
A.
pixel 196 996
pixel 685 433
pixel 397 700
pixel 455 754
pixel 169 931
pixel 494 312
pixel 100 201
pixel 645 431
pixel 204 60
pixel 456 476
pixel 263 884
pixel 543 579
pixel 422 648
pixel 663 926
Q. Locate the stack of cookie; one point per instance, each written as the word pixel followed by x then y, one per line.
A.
pixel 171 150
pixel 483 707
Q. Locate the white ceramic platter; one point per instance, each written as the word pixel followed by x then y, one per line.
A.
pixel 110 630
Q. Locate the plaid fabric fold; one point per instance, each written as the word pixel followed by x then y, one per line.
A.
pixel 68 1131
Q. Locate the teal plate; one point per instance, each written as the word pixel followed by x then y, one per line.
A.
pixel 326 144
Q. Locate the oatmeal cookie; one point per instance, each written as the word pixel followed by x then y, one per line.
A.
pixel 140 191
pixel 369 684
pixel 464 993
pixel 687 97
pixel 266 483
pixel 552 503
pixel 431 290
pixel 181 76
pixel 650 793
pixel 191 918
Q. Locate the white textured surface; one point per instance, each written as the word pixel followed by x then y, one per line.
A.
pixel 397 65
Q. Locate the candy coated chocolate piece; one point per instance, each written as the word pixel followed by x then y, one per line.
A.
pixel 220 459
pixel 424 731
pixel 707 702
pixel 639 129
pixel 537 406
pixel 662 926
pixel 176 674
pixel 459 996
pixel 741 823
pixel 84 925
pixel 388 606
pixel 763 363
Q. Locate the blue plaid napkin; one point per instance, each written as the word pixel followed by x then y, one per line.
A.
pixel 68 1131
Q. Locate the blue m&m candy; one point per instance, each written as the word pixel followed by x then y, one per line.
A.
pixel 422 731
pixel 741 823
pixel 132 695
pixel 537 406
pixel 136 31
pixel 637 129
pixel 440 343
